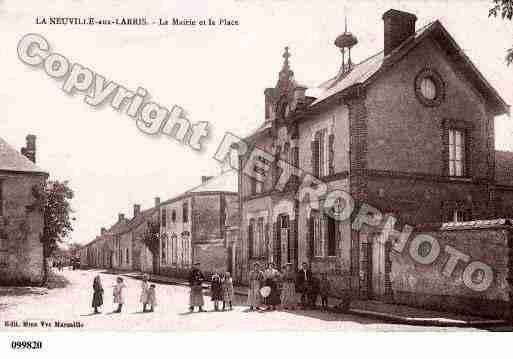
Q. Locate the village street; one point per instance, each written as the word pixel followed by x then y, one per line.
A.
pixel 70 299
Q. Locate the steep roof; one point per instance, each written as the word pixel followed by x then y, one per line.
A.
pixel 14 161
pixel 129 224
pixel 504 168
pixel 368 70
pixel 226 182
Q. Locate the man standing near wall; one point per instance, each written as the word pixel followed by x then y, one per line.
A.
pixel 304 279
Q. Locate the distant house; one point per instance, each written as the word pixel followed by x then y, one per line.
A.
pixel 122 246
pixel 21 215
pixel 193 226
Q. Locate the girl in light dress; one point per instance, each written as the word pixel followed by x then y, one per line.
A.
pixel 227 290
pixel 256 278
pixel 118 293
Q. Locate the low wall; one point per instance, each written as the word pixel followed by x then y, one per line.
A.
pixel 436 286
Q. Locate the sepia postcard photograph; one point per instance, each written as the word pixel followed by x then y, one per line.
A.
pixel 227 170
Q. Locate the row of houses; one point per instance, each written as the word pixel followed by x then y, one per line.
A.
pixel 409 130
pixel 199 225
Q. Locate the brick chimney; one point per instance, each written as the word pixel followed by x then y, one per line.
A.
pixel 398 26
pixel 121 217
pixel 205 179
pixel 29 150
pixel 137 209
pixel 157 201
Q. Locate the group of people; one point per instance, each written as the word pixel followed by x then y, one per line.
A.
pixel 148 297
pixel 270 288
pixel 221 290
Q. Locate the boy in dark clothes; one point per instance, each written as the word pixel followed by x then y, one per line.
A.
pixel 324 290
pixel 313 292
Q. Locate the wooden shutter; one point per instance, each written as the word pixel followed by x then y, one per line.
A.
pixel 266 236
pixel 295 156
pixel 321 156
pixel 311 236
pixel 276 167
pixel 250 238
pixel 315 157
pixel 331 154
pixel 275 242
pixel 295 162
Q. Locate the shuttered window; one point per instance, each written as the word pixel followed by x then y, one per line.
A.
pixel 331 236
pixel 251 233
pixel 457 153
pixel 163 216
pixel 185 212
pixel 321 156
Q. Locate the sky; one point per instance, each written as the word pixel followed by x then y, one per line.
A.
pixel 217 74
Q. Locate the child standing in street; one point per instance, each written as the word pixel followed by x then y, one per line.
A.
pixel 324 289
pixel 97 294
pixel 152 297
pixel 144 292
pixel 119 297
pixel 216 289
pixel 227 290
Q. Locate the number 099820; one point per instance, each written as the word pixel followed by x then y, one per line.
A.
pixel 23 344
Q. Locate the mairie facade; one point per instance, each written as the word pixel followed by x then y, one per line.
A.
pixel 409 131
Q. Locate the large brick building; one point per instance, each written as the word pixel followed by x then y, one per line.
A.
pixel 410 130
pixel 21 215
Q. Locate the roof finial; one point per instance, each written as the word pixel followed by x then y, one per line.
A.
pixel 286 56
pixel 345 42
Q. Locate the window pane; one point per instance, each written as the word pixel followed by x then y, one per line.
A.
pixel 428 88
pixel 458 154
pixel 458 138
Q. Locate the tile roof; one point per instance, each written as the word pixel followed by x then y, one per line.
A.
pixel 12 160
pixel 361 72
pixel 129 224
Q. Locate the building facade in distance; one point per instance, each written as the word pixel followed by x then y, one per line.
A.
pixel 193 226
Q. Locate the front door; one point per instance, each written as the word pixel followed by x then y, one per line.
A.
pixel 378 268
pixel 282 252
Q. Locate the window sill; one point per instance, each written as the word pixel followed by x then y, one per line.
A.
pixel 325 259
pixel 258 258
pixel 460 179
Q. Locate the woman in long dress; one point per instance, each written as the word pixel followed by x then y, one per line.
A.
pixel 228 290
pixel 196 279
pixel 288 290
pixel 256 277
pixel 97 294
pixel 118 293
pixel 216 290
pixel 144 292
pixel 272 275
